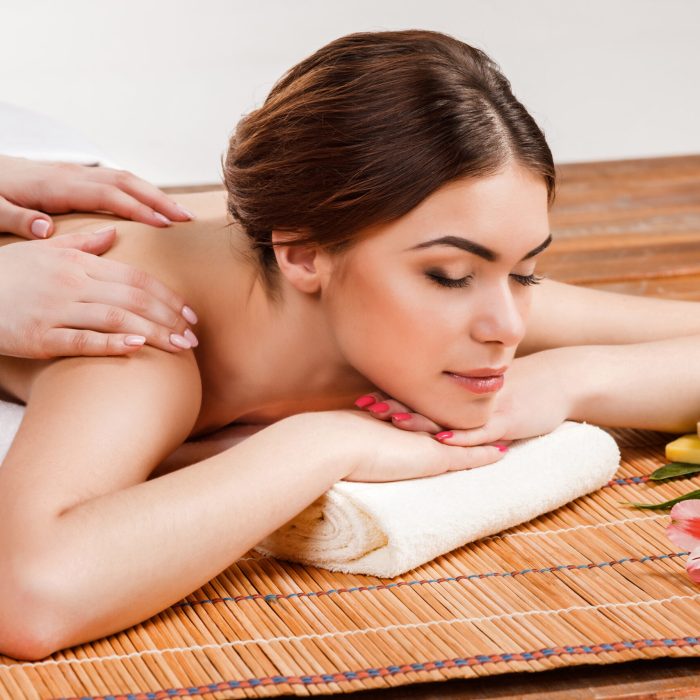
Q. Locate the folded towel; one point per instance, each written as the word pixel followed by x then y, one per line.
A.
pixel 385 529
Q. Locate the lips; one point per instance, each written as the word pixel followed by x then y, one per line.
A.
pixel 483 372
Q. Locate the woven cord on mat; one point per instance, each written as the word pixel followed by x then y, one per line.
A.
pixel 592 582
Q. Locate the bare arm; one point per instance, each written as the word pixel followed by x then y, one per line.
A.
pixel 653 386
pixel 88 546
pixel 565 314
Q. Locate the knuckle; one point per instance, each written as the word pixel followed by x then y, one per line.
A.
pixel 69 279
pixel 115 318
pixel 137 300
pixel 123 178
pixel 80 342
pixel 69 168
pixel 139 278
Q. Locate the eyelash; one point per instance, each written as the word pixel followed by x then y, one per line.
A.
pixel 525 280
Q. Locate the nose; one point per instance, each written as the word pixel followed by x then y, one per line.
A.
pixel 501 315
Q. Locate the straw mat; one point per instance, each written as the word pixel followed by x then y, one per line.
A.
pixel 594 582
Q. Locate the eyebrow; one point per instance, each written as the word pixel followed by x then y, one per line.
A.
pixel 476 248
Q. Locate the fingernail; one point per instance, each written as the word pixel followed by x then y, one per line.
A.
pixel 379 407
pixel 163 219
pixel 186 212
pixel 103 230
pixel 189 315
pixel 134 340
pixel 444 435
pixel 502 448
pixel 365 401
pixel 179 341
pixel 40 228
pixel 401 416
pixel 191 337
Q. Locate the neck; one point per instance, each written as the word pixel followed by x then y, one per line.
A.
pixel 284 356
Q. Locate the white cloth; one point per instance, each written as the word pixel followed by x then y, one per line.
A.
pixel 385 529
pixel 29 134
pixel 10 417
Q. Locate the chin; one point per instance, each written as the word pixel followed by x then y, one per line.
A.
pixel 473 415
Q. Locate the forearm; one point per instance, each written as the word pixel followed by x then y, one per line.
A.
pixel 654 385
pixel 121 558
pixel 565 315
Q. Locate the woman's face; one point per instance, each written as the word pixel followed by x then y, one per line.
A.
pixel 401 325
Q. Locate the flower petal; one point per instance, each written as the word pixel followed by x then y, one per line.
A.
pixel 684 530
pixel 692 566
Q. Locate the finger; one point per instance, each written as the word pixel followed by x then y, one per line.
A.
pixel 144 192
pixel 96 196
pixel 24 222
pixel 483 435
pixel 415 422
pixel 470 457
pixel 384 409
pixel 366 400
pixel 120 273
pixel 93 242
pixel 116 320
pixel 68 342
pixel 132 299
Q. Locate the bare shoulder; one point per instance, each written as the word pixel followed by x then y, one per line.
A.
pixel 95 425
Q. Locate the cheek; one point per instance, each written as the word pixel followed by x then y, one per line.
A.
pixel 395 334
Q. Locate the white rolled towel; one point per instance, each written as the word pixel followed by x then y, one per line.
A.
pixel 385 529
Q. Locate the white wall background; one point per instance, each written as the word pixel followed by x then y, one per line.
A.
pixel 158 85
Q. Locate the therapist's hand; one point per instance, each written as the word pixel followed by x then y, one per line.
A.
pixel 29 191
pixel 58 298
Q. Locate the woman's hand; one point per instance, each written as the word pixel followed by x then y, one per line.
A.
pixel 28 188
pixel 380 453
pixel 52 292
pixel 536 398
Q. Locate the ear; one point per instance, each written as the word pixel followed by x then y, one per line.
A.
pixel 304 265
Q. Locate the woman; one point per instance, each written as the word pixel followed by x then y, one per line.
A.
pixel 346 271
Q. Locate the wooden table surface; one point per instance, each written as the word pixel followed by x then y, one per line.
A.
pixel 629 226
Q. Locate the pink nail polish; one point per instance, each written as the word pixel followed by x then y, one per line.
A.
pixel 365 401
pixel 191 337
pixel 189 315
pixel 401 416
pixel 163 219
pixel 379 407
pixel 134 340
pixel 444 435
pixel 40 228
pixel 502 448
pixel 180 342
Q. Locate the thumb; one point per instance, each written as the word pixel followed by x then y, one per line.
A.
pixel 95 242
pixel 24 222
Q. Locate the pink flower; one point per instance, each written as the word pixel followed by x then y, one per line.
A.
pixel 684 531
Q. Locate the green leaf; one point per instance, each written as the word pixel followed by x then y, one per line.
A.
pixel 666 504
pixel 674 469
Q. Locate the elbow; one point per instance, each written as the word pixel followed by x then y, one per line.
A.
pixel 30 620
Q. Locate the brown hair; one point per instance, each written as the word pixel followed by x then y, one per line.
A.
pixel 364 129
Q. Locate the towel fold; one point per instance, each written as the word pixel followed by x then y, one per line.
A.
pixel 385 529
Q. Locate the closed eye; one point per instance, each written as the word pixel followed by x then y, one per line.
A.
pixel 525 280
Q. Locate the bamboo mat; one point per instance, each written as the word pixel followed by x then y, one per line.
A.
pixel 594 582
